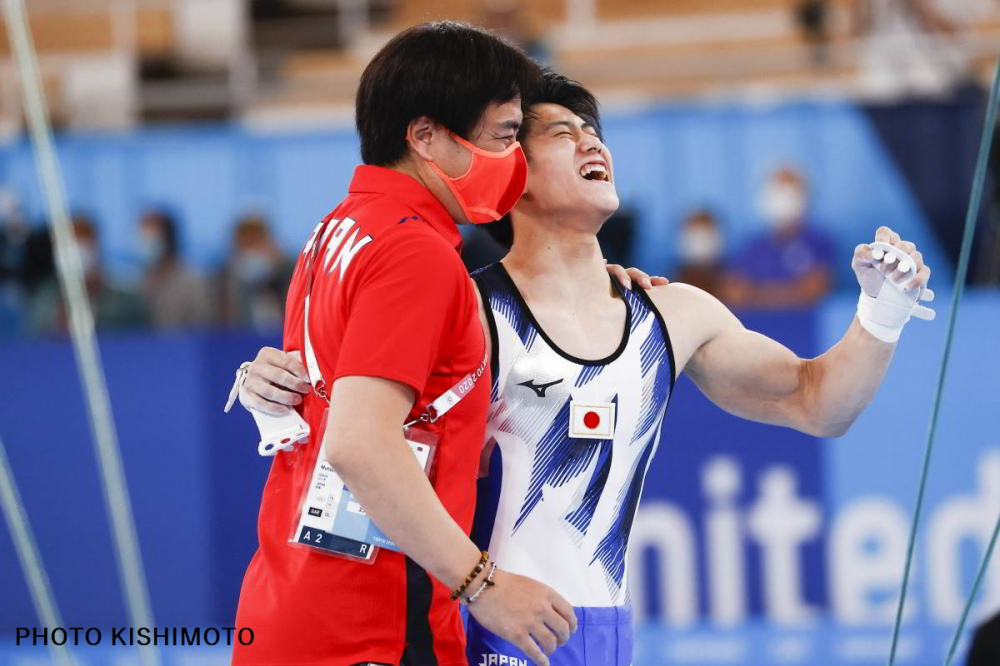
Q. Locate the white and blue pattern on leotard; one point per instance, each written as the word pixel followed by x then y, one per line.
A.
pixel 553 507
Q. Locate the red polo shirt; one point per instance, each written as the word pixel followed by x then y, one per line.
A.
pixel 400 306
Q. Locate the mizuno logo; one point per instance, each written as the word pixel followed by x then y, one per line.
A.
pixel 539 389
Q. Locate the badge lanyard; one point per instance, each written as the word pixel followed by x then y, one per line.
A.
pixel 435 410
pixel 330 519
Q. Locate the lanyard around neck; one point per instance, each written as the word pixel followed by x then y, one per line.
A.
pixel 435 410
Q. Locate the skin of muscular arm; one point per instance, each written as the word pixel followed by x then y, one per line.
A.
pixel 365 446
pixel 754 377
pixel 367 411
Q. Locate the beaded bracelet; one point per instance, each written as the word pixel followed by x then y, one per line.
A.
pixel 488 583
pixel 457 592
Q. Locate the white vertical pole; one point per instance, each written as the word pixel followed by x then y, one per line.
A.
pixel 81 320
pixel 31 562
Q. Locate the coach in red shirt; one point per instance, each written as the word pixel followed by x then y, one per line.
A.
pixel 393 321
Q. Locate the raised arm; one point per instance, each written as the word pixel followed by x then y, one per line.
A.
pixel 754 377
pixel 757 378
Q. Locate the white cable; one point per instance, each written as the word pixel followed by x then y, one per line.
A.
pixel 31 562
pixel 81 322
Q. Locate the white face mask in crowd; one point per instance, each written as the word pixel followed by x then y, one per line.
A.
pixel 252 268
pixel 13 225
pixel 783 204
pixel 701 245
pixel 151 248
pixel 88 258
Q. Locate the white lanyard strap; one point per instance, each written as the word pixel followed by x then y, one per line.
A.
pixel 435 410
pixel 312 363
pixel 454 395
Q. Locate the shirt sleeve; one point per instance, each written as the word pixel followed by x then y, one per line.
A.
pixel 407 295
pixel 742 261
pixel 826 252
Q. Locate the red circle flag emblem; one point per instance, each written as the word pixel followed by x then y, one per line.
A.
pixel 592 420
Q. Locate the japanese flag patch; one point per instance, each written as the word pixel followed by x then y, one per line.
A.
pixel 595 420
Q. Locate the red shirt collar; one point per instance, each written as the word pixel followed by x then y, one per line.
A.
pixel 405 189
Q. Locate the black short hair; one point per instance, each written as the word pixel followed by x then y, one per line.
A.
pixel 549 87
pixel 165 219
pixel 445 70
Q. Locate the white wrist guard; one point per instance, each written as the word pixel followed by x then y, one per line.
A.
pixel 885 315
pixel 881 318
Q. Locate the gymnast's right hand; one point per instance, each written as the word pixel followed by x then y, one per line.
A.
pixel 526 613
pixel 275 382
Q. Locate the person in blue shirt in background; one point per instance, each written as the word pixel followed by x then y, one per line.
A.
pixel 790 265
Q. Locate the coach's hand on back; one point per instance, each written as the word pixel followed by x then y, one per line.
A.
pixel 526 613
pixel 629 276
pixel 275 382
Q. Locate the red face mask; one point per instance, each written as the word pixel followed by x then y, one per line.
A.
pixel 492 184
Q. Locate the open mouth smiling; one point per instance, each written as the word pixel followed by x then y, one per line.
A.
pixel 595 171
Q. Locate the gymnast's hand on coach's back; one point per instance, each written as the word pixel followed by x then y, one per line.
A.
pixel 275 382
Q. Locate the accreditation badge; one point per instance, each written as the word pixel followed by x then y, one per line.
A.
pixel 332 521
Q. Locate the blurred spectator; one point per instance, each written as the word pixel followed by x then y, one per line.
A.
pixel 985 650
pixel 255 277
pixel 14 232
pixel 39 260
pixel 26 259
pixel 177 298
pixel 988 240
pixel 813 19
pixel 113 307
pixel 909 46
pixel 791 264
pixel 507 17
pixel 14 235
pixel 700 249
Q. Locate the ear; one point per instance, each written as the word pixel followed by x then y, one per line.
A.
pixel 419 136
